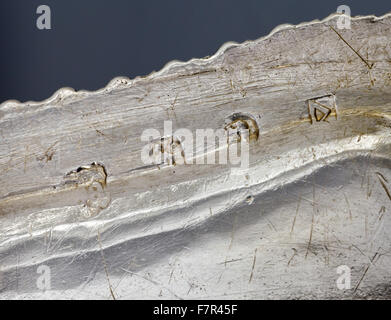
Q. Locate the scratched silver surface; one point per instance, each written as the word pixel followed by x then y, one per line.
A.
pixel 76 200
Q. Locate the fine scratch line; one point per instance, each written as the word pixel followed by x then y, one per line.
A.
pixel 385 188
pixel 297 210
pixel 152 281
pixel 252 269
pixel 105 267
pixel 355 51
pixel 312 222
pixel 381 176
pixel 310 239
pixel 294 254
pixel 365 272
pixel 347 202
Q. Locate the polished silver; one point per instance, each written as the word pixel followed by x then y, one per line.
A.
pixel 76 197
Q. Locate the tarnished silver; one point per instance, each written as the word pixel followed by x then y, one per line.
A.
pixel 81 215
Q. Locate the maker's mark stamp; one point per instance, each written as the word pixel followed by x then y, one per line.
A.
pixel 322 108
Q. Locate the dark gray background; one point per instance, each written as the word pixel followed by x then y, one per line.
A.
pixel 93 41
